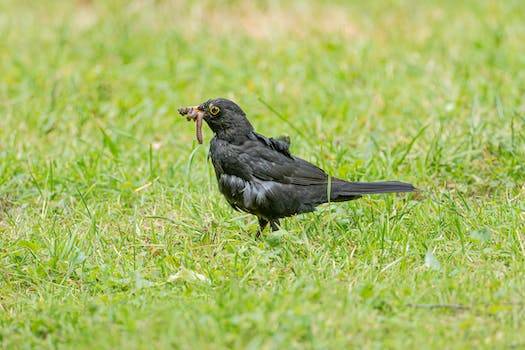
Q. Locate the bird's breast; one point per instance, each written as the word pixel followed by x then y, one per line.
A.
pixel 250 196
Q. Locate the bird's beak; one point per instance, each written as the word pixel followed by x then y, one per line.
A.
pixel 196 114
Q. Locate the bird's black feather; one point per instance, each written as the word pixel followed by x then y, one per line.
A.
pixel 280 144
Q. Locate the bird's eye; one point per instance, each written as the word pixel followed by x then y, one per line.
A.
pixel 214 110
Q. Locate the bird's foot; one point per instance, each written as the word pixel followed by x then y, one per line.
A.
pixel 262 224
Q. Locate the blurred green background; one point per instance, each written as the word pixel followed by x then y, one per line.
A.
pixel 113 232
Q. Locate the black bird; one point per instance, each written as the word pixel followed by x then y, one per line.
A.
pixel 258 174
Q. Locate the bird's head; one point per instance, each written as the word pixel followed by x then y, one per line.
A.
pixel 224 117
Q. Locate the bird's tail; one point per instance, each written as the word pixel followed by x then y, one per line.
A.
pixel 342 190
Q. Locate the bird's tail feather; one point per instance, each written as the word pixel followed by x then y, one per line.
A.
pixel 343 190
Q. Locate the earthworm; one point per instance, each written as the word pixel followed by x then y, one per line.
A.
pixel 192 113
pixel 198 127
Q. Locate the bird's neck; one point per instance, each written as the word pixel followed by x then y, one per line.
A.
pixel 234 135
pixel 237 131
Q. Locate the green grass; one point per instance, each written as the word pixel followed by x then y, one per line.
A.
pixel 112 229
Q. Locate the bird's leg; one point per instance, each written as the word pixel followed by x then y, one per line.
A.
pixel 262 224
pixel 275 225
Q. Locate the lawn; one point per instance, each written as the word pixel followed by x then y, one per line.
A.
pixel 113 233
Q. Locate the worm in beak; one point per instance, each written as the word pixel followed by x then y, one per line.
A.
pixel 195 114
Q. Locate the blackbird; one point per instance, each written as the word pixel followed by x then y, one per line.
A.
pixel 258 175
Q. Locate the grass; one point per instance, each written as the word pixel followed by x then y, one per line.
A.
pixel 113 233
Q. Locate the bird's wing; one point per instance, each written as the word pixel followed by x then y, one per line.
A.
pixel 280 144
pixel 269 164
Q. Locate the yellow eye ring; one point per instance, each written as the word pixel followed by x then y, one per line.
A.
pixel 214 110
